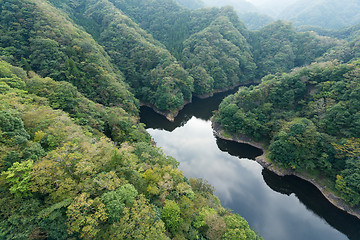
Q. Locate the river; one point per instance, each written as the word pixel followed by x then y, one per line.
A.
pixel 279 208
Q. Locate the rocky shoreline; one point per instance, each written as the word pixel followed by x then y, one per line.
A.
pixel 266 163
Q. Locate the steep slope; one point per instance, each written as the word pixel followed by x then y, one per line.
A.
pixel 152 72
pixel 308 120
pixel 218 57
pixel 44 40
pixel 211 43
pixel 60 176
pixel 248 13
pixel 167 21
pixel 279 48
pixel 155 76
pixel 349 50
pixel 60 180
pixel 227 58
pixel 346 33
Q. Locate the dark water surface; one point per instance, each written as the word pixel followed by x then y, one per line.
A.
pixel 277 207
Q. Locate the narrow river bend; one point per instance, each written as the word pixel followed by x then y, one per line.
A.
pixel 279 208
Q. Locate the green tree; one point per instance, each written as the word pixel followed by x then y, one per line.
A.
pixel 297 145
pixel 11 127
pixel 348 194
pixel 85 215
pixel 115 201
pixel 238 228
pixel 139 222
pixel 170 214
pixel 18 177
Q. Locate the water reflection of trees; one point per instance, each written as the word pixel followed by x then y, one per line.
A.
pixel 199 108
pixel 240 150
pixel 312 198
pixel 307 193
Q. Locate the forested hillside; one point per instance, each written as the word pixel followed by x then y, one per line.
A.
pixel 253 17
pixel 255 20
pixel 348 33
pixel 309 118
pixel 210 42
pixel 213 49
pixel 218 57
pixel 62 178
pixel 152 72
pixel 343 52
pixel 217 49
pixel 76 163
pixel 278 47
pixel 41 38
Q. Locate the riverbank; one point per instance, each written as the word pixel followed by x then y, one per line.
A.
pixel 207 95
pixel 281 171
pixel 171 115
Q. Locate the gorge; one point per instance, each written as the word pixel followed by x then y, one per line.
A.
pixel 277 207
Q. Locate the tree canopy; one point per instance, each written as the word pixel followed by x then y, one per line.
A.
pixel 72 168
pixel 309 119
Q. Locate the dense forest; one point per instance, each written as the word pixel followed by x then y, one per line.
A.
pixel 309 119
pixel 217 49
pixel 109 58
pixel 311 109
pixel 73 168
pixel 76 163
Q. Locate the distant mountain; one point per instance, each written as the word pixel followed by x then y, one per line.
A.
pixel 241 6
pixel 348 33
pixel 192 4
pixel 272 7
pixel 333 14
pixel 346 52
pixel 248 13
pixel 330 14
pixel 255 20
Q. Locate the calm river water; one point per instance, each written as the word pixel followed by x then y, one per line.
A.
pixel 279 208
